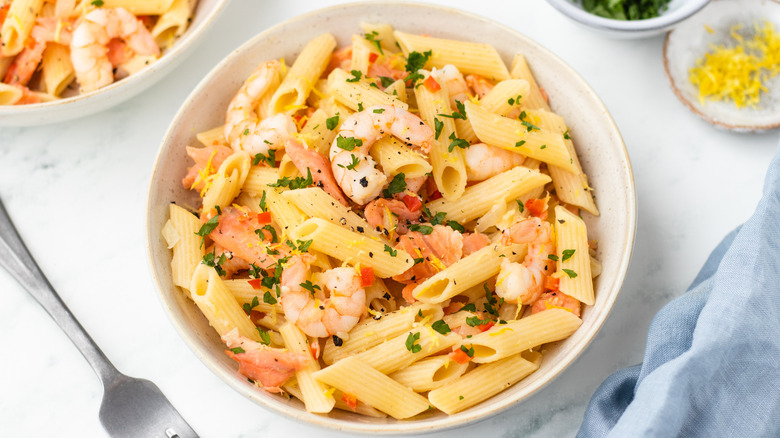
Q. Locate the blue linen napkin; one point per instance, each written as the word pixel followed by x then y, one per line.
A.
pixel 712 361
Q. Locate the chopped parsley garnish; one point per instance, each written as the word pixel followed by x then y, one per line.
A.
pixel 207 228
pixel 356 74
pixel 97 3
pixel 332 122
pixel 520 205
pixel 423 229
pixel 255 271
pixel 456 226
pixel 469 351
pixel 265 337
pixel 438 125
pixel 457 143
pixel 567 253
pixel 248 307
pixel 519 143
pixel 270 160
pixel 271 230
pixel 397 185
pixel 309 286
pixel 553 257
pixel 360 106
pixel 570 273
pixel 246 131
pixel 211 259
pixel 295 183
pixel 352 165
pixel 391 251
pixel 566 135
pixel 474 321
pixel 459 114
pixel 470 307
pixel 460 397
pixel 492 304
pixel 417 261
pixel 529 126
pixel 441 327
pixel 303 245
pixel 263 206
pixel 270 251
pixel 414 62
pixel 348 143
pixel 411 344
pixel 372 38
pixel 373 84
pixel 386 81
pixel 544 146
pixel 379 111
pixel 268 298
pixel 237 350
pixel 434 219
pixel 515 100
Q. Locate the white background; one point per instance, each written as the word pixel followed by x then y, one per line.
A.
pixel 77 192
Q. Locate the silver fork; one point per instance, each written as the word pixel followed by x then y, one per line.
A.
pixel 131 407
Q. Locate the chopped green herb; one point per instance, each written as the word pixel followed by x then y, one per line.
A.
pixel 519 143
pixel 469 351
pixel 434 219
pixel 567 253
pixel 570 273
pixel 438 125
pixel 249 306
pixel 397 185
pixel 352 165
pixel 371 37
pixel 262 204
pixel 211 259
pixel 255 271
pixel 459 114
pixel 348 143
pixel 520 205
pixel 268 298
pixel 373 84
pixel 391 251
pixel 530 126
pixel 423 229
pixel 246 131
pixel 544 146
pixel 237 350
pixel 295 183
pixel 360 106
pixel 270 160
pixel 460 397
pixel 417 261
pixel 456 226
pixel 332 122
pixel 265 337
pixel 441 327
pixel 303 245
pixel 470 307
pixel 414 62
pixel 379 111
pixel 97 3
pixel 566 135
pixel 208 227
pixel 356 74
pixel 474 321
pixel 553 257
pixel 457 143
pixel 386 81
pixel 309 286
pixel 411 342
pixel 271 230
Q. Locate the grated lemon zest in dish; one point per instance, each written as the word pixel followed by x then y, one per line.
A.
pixel 739 73
pixel 709 29
pixel 329 392
pixel 548 306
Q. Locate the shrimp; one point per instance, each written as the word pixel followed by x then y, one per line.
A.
pixel 380 214
pixel 26 62
pixel 308 308
pixel 479 85
pixel 341 58
pixel 239 231
pixel 524 282
pixel 270 367
pixel 484 161
pixel 207 160
pixel 231 264
pixel 321 173
pixel 88 47
pixel 243 128
pixel 452 79
pixel 556 299
pixel 355 170
pixel 439 249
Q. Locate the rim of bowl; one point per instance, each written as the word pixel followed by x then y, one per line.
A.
pixel 189 38
pixel 734 127
pixel 474 414
pixel 666 19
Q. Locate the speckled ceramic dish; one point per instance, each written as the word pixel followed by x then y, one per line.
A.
pixel 677 11
pixel 601 151
pixel 691 40
pixel 82 105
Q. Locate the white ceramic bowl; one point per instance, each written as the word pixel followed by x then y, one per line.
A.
pixel 82 105
pixel 601 149
pixel 677 11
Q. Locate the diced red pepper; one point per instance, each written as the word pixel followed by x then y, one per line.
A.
pixel 315 348
pixel 255 283
pixel 264 217
pixel 350 400
pixel 536 207
pixel 486 327
pixel 372 57
pixel 431 84
pixel 4 12
pixel 460 356
pixel 413 203
pixel 366 276
pixel 552 283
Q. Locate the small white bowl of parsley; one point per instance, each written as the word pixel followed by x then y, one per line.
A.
pixel 629 18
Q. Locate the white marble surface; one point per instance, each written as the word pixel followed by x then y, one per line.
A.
pixel 77 192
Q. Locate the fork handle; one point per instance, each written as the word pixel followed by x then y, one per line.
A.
pixel 16 259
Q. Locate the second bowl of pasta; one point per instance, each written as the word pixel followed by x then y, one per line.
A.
pixel 381 231
pixel 65 59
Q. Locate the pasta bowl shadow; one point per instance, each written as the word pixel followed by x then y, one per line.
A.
pixel 601 150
